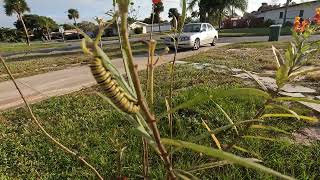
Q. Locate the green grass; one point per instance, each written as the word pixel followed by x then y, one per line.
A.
pixel 85 123
pixel 242 32
pixel 22 47
pixel 23 67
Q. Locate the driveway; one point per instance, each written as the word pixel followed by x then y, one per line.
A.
pixel 44 86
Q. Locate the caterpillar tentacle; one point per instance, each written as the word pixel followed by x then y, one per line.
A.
pixel 112 89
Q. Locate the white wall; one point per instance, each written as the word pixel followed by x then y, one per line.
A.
pixel 136 25
pixel 309 12
pixel 163 27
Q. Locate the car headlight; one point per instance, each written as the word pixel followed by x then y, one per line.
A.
pixel 185 38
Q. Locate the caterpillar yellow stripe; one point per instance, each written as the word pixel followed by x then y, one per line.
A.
pixel 112 89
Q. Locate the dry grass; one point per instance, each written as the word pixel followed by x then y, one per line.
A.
pixel 314 77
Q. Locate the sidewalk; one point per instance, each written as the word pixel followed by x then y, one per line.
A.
pixel 43 86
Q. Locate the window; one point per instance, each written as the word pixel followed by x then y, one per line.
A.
pixel 192 28
pixel 204 27
pixel 210 28
pixel 301 13
pixel 281 15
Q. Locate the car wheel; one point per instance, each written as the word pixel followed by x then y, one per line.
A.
pixel 214 42
pixel 196 45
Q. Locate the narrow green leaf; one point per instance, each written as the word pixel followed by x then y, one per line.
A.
pixel 245 150
pixel 296 99
pixel 278 57
pixel 242 92
pixel 216 94
pixel 303 72
pixel 227 116
pixel 306 118
pixel 125 62
pixel 183 15
pixel 265 139
pixel 185 175
pixel 216 131
pixel 271 128
pixel 208 166
pixel 282 75
pixel 223 155
pixel 221 129
pixel 257 80
pixel 284 108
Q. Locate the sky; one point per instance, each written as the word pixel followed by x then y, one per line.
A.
pixel 57 9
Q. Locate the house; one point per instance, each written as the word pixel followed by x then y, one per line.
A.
pixel 138 24
pixel 166 26
pixel 304 10
pixel 146 28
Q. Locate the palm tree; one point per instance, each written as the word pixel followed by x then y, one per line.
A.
pixel 74 14
pixel 217 7
pixel 158 8
pixel 19 7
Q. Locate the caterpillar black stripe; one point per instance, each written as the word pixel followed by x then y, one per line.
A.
pixel 110 86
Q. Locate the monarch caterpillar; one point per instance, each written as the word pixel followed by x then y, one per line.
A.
pixel 112 89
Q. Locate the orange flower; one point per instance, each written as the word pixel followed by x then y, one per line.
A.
pixel 297 24
pixel 305 24
pixel 316 18
pixel 301 27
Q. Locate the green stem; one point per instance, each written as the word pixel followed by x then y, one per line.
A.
pixel 123 8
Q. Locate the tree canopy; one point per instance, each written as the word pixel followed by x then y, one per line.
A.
pixel 73 14
pixel 209 8
pixel 15 6
pixel 38 25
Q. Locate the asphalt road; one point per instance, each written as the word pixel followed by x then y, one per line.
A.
pixel 74 46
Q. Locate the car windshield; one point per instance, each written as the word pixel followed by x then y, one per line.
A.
pixel 192 28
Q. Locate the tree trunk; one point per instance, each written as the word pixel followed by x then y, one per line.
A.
pixel 202 12
pixel 75 24
pixel 49 34
pixel 220 18
pixel 159 27
pixel 286 11
pixel 25 29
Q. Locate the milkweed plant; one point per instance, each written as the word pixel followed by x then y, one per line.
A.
pixel 126 95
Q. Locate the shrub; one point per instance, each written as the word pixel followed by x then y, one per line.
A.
pixel 138 30
pixel 288 24
pixel 10 35
pixel 268 23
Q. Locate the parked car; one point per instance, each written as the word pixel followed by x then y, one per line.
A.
pixel 194 36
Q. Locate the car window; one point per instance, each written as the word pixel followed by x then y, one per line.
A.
pixel 192 28
pixel 210 28
pixel 204 27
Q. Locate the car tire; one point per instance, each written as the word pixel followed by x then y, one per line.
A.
pixel 197 44
pixel 214 41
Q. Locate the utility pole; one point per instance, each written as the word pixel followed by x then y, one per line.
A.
pixel 286 11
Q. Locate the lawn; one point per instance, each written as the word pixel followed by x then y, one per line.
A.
pixel 22 47
pixel 88 125
pixel 242 32
pixel 29 66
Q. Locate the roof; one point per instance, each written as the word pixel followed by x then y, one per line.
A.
pixel 292 5
pixel 142 23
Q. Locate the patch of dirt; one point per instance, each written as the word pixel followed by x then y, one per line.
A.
pixel 3 120
pixel 307 136
pixel 270 67
pixel 241 50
